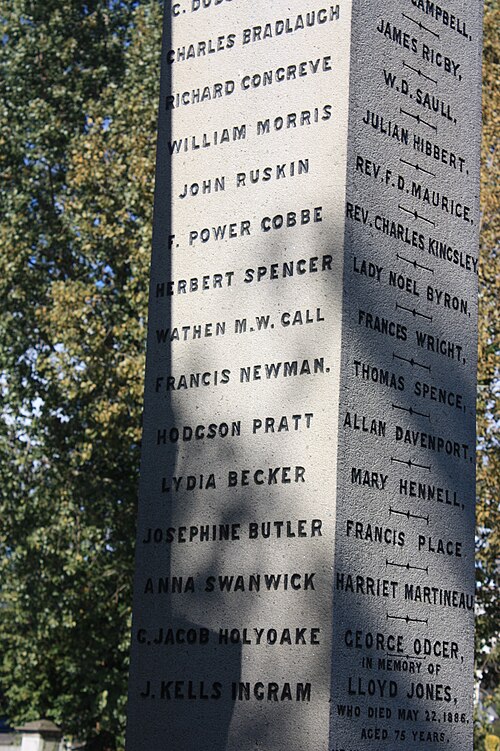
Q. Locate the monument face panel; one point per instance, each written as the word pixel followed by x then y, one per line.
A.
pixel 402 664
pixel 305 545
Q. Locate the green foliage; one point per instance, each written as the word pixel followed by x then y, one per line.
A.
pixel 492 743
pixel 481 730
pixel 488 427
pixel 78 99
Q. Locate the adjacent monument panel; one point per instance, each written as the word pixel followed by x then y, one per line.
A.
pixel 233 610
pixel 304 573
pixel 404 576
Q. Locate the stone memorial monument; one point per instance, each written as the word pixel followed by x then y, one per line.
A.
pixel 305 550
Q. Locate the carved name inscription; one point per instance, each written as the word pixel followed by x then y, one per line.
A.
pixel 233 621
pixel 404 574
pixel 304 574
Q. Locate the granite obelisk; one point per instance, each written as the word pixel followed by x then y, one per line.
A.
pixel 305 549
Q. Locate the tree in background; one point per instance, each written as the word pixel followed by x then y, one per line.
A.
pixel 78 99
pixel 488 477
